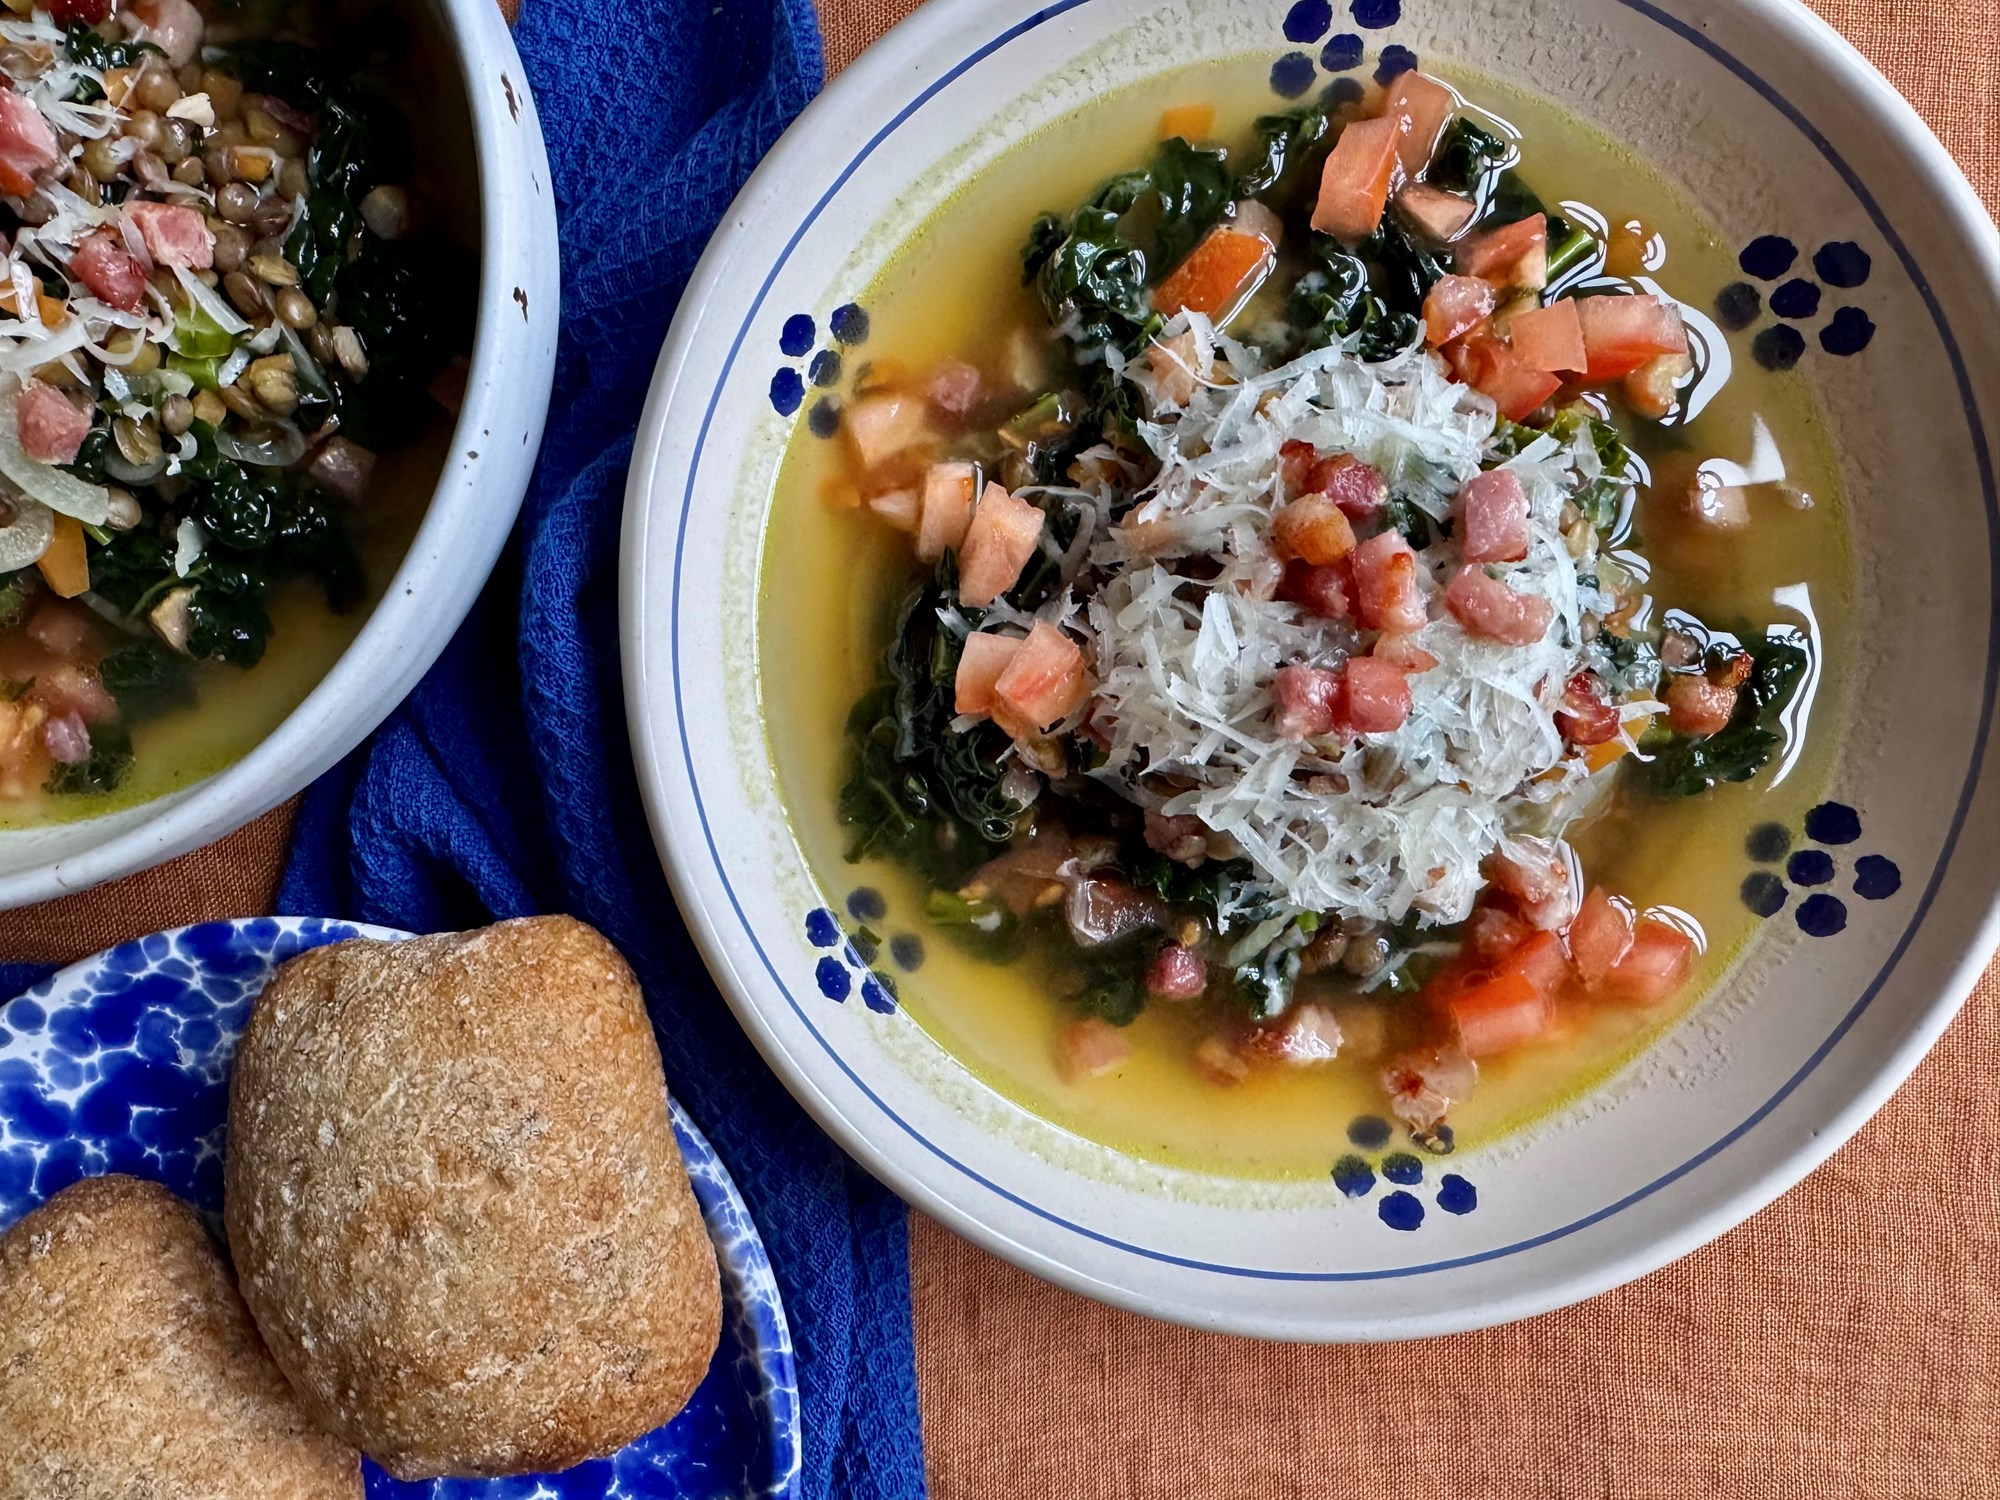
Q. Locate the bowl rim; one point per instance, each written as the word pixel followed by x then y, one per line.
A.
pixel 684 843
pixel 466 521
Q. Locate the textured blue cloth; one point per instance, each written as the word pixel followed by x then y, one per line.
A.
pixel 504 785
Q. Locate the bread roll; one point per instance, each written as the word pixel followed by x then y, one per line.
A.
pixel 129 1368
pixel 456 1204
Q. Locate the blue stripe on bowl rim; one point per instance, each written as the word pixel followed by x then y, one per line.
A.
pixel 206 976
pixel 1990 679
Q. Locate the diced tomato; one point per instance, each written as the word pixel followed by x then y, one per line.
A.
pixel 985 657
pixel 945 513
pixel 1176 973
pixel 113 276
pixel 1306 1035
pixel 1313 530
pixel 1542 960
pixel 1454 306
pixel 1385 577
pixel 1327 592
pixel 878 427
pixel 1549 339
pixel 1043 684
pixel 28 145
pixel 1218 274
pixel 50 425
pixel 1622 333
pixel 1698 707
pixel 1493 517
pixel 1498 1015
pixel 1308 701
pixel 73 689
pixel 898 507
pixel 1377 695
pixel 1586 717
pixel 1003 534
pixel 1217 1058
pixel 68 13
pixel 1421 107
pixel 175 235
pixel 1402 651
pixel 1438 215
pixel 1514 256
pixel 1654 967
pixel 1600 936
pixel 1536 876
pixel 1091 1048
pixel 1653 388
pixel 1354 185
pixel 1492 932
pixel 954 387
pixel 1487 608
pixel 1490 367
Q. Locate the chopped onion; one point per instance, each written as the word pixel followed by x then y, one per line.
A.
pixel 89 503
pixel 224 316
pixel 280 451
pixel 28 536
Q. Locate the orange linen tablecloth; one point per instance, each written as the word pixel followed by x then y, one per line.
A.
pixel 1843 1343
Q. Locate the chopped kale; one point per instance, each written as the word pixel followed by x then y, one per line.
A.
pixel 1624 663
pixel 1465 157
pixel 1277 163
pixel 82 44
pixel 1091 279
pixel 110 759
pixel 1202 889
pixel 1684 767
pixel 1334 300
pixel 1193 187
pixel 147 677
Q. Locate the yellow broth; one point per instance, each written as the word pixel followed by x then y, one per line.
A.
pixel 832 578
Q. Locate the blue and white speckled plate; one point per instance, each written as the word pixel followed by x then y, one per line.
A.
pixel 121 1064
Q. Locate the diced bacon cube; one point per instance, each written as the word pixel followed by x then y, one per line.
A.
pixel 28 146
pixel 945 511
pixel 62 628
pixel 1176 973
pixel 1697 706
pixel 1512 257
pixel 1041 685
pixel 1549 339
pixel 1402 651
pixel 1326 591
pixel 1487 608
pixel 954 387
pixel 1421 108
pixel 1004 532
pixel 1377 695
pixel 1587 717
pixel 1092 1048
pixel 1307 700
pixel 1454 306
pixel 1171 362
pixel 1217 1058
pixel 1385 577
pixel 1354 184
pixel 1305 1036
pixel 74 689
pixel 174 26
pixel 1437 215
pixel 67 738
pixel 1600 936
pixel 1492 932
pixel 1313 530
pixel 980 664
pixel 174 234
pixel 1493 517
pixel 51 426
pixel 103 265
pixel 1357 488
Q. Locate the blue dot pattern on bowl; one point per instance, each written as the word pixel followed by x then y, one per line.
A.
pixel 121 1064
pixel 824 369
pixel 797 336
pixel 824 417
pixel 838 975
pixel 1342 92
pixel 822 928
pixel 1376 15
pixel 1838 263
pixel 1833 826
pixel 865 904
pixel 1842 263
pixel 834 982
pixel 1795 300
pixel 1401 1210
pixel 907 949
pixel 787 391
pixel 1394 62
pixel 1402 1168
pixel 1456 1195
pixel 1847 332
pixel 1768 257
pixel 849 323
pixel 1341 52
pixel 1738 305
pixel 1779 347
pixel 1307 20
pixel 1353 1176
pixel 1370 1132
pixel 1356 1176
pixel 1292 75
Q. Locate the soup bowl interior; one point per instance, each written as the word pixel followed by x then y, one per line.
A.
pixel 1772 127
pixel 484 173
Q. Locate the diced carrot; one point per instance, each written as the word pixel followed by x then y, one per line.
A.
pixel 1549 339
pixel 1498 1015
pixel 1600 936
pixel 1091 1048
pixel 1654 967
pixel 946 509
pixel 1454 306
pixel 984 658
pixel 1191 122
pixel 1622 333
pixel 1440 215
pixel 880 427
pixel 1219 273
pixel 66 566
pixel 1042 684
pixel 1421 107
pixel 1354 185
pixel 1004 533
pixel 1514 255
pixel 1597 757
pixel 897 507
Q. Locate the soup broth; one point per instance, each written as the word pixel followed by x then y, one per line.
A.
pixel 834 578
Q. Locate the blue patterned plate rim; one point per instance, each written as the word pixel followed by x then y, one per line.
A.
pixel 120 1062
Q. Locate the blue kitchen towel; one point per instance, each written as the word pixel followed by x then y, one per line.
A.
pixel 504 785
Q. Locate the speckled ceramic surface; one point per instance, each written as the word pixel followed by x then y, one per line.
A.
pixel 121 1064
pixel 1865 265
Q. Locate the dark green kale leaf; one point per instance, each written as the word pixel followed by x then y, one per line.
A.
pixel 1684 767
pixel 1465 157
pixel 1333 300
pixel 1199 889
pixel 1193 186
pixel 1091 279
pixel 18 591
pixel 1511 200
pixel 132 569
pixel 1111 988
pixel 1284 142
pixel 1624 663
pixel 399 295
pixel 226 618
pixel 110 759
pixel 1404 268
pixel 147 677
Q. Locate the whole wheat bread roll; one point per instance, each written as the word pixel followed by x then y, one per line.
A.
pixel 129 1368
pixel 456 1204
